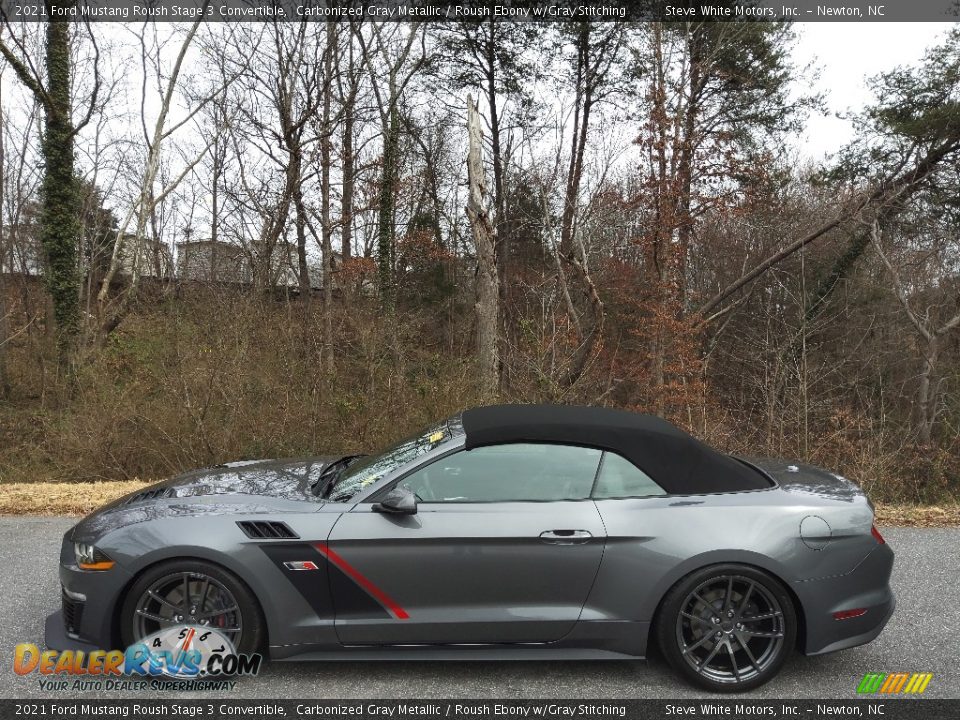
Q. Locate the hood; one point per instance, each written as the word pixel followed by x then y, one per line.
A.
pixel 288 478
pixel 231 487
pixel 795 477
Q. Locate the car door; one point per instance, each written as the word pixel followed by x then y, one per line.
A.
pixel 504 548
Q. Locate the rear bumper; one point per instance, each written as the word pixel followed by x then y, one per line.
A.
pixel 866 586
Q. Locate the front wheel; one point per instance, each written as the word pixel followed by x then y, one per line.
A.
pixel 727 628
pixel 192 592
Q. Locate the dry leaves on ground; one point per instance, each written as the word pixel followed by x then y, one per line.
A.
pixel 61 498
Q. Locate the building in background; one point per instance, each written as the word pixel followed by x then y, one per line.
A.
pixel 212 261
pixel 156 260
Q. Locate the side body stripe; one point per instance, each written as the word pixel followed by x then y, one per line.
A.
pixel 330 584
pixel 398 612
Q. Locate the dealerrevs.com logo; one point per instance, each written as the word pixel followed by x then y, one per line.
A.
pixel 901 683
pixel 183 657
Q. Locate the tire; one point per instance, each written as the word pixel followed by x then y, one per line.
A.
pixel 201 576
pixel 727 628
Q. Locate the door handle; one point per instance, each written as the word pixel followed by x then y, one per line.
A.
pixel 565 537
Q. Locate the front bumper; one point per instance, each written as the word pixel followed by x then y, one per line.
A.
pixel 866 586
pixel 55 635
pixel 89 605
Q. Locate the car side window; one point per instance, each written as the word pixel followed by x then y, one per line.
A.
pixel 515 472
pixel 620 478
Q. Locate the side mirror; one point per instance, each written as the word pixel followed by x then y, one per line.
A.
pixel 399 501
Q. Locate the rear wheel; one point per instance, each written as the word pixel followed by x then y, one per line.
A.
pixel 192 592
pixel 727 628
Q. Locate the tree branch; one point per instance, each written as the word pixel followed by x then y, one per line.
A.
pixel 883 193
pixel 898 284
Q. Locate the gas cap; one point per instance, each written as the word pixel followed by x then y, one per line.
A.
pixel 815 532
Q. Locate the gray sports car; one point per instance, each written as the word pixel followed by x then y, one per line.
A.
pixel 507 532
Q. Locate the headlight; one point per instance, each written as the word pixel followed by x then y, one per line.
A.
pixel 90 558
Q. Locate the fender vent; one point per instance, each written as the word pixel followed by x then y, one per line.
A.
pixel 266 529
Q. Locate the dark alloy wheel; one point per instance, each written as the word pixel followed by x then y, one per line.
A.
pixel 192 593
pixel 728 628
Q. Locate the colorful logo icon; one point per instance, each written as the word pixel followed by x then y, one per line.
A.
pixel 894 683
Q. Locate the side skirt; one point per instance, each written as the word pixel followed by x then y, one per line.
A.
pixel 594 640
pixel 456 652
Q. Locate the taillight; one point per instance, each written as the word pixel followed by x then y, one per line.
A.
pixel 876 535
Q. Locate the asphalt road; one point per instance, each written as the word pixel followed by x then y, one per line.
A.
pixel 922 637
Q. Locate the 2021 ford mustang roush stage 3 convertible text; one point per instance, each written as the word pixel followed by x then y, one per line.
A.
pixel 503 532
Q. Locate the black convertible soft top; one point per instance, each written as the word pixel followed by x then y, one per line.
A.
pixel 677 461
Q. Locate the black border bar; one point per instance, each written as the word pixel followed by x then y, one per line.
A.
pixel 434 709
pixel 480 10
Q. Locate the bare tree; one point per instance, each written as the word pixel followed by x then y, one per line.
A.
pixel 146 199
pixel 889 190
pixel 596 52
pixel 485 240
pixel 325 223
pixel 4 325
pixel 348 81
pixel 21 253
pixel 930 332
pixel 392 63
pixel 276 140
pixel 60 228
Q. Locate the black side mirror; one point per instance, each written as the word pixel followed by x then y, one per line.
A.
pixel 399 501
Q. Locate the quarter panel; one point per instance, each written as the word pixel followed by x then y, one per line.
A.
pixel 653 542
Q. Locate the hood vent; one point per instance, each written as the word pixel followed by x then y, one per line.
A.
pixel 266 530
pixel 157 494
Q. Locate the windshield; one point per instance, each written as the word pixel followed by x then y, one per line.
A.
pixel 367 470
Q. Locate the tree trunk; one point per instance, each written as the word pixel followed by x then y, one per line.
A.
pixel 583 103
pixel 499 200
pixel 4 332
pixel 346 198
pixel 499 215
pixel 347 159
pixel 385 245
pixel 659 234
pixel 147 198
pixel 488 282
pixel 303 272
pixel 325 229
pixel 839 271
pixel 689 141
pixel 218 162
pixel 926 396
pixel 60 211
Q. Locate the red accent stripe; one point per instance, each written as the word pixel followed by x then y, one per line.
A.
pixel 361 580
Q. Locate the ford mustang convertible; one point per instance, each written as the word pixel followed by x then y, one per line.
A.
pixel 506 532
